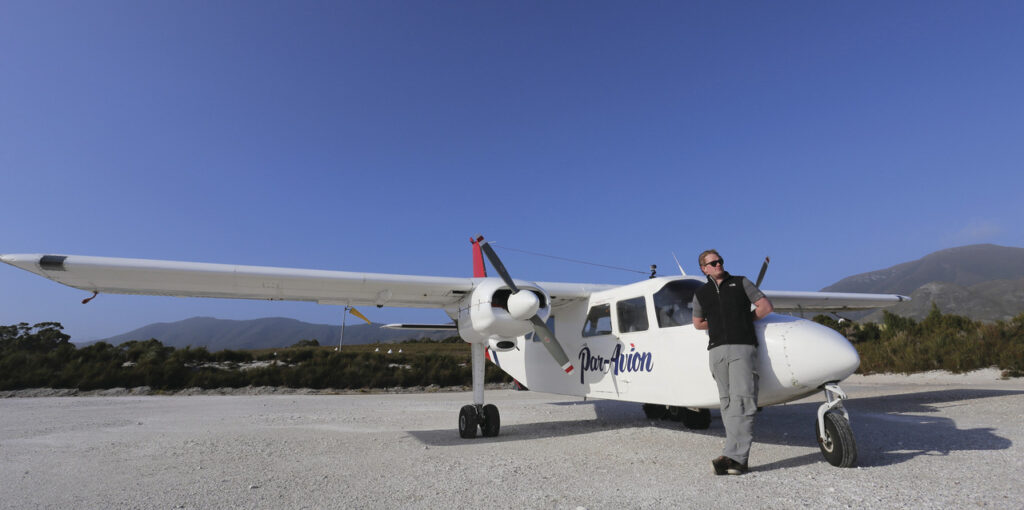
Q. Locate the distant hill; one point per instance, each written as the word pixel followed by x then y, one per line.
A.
pixel 220 334
pixel 964 266
pixel 980 281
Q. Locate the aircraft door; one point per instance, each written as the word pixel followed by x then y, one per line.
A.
pixel 597 363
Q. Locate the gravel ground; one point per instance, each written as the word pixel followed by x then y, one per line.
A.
pixel 925 441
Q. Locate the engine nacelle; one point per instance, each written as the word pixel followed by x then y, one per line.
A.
pixel 484 314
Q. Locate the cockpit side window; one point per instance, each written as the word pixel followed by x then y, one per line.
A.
pixel 632 315
pixel 673 303
pixel 599 321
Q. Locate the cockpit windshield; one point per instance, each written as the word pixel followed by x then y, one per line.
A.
pixel 673 303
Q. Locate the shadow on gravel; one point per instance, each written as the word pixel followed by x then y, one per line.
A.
pixel 896 428
pixel 889 429
pixel 609 415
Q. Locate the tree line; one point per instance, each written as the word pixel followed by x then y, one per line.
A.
pixel 42 356
pixel 938 342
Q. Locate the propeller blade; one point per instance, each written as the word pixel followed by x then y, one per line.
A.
pixel 551 343
pixel 760 276
pixel 496 262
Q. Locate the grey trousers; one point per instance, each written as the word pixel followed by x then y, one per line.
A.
pixel 734 368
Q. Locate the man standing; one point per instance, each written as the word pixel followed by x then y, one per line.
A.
pixel 723 307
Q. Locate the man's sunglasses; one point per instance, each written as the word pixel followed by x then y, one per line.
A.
pixel 715 263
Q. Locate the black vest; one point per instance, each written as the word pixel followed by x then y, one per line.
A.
pixel 727 309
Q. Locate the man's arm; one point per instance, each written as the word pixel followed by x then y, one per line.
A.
pixel 764 307
pixel 699 321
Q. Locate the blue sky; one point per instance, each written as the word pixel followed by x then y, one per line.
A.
pixel 837 137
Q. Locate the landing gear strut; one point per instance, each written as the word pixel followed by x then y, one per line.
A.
pixel 835 437
pixel 477 414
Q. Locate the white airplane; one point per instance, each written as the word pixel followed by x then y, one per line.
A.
pixel 631 342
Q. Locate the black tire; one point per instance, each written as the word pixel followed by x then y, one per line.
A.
pixel 674 413
pixel 491 423
pixel 695 419
pixel 468 421
pixel 839 447
pixel 655 411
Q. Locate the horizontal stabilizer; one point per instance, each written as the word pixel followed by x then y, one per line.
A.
pixel 439 327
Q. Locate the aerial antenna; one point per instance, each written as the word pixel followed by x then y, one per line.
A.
pixel 680 266
pixel 577 261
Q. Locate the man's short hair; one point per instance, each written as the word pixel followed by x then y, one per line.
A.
pixel 700 259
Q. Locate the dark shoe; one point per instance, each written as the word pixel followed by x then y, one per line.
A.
pixel 735 468
pixel 721 465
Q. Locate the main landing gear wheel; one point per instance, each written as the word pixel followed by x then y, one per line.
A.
pixel 473 416
pixel 692 417
pixel 491 423
pixel 695 419
pixel 838 445
pixel 655 411
pixel 468 421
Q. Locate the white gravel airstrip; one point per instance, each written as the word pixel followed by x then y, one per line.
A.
pixel 931 440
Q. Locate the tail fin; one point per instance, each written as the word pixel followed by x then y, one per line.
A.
pixel 479 271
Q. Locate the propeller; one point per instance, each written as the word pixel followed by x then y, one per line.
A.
pixel 524 308
pixel 760 276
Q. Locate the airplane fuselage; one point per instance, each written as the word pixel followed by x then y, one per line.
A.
pixel 637 343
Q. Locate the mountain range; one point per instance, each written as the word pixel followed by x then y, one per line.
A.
pixel 270 332
pixel 981 281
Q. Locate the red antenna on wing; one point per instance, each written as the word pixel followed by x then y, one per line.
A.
pixel 479 271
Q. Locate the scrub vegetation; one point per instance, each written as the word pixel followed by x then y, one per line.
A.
pixel 42 356
pixel 938 342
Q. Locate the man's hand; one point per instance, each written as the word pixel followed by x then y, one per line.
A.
pixel 763 308
pixel 700 322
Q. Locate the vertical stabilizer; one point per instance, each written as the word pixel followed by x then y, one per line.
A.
pixel 479 271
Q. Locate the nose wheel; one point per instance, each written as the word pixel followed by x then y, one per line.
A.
pixel 835 437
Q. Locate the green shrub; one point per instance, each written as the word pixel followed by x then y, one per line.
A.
pixel 939 342
pixel 43 356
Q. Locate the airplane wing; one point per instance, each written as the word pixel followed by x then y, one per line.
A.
pixel 196 279
pixel 784 300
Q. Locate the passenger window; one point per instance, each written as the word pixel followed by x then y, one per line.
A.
pixel 673 304
pixel 599 321
pixel 632 315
